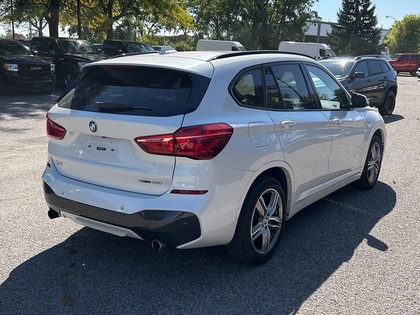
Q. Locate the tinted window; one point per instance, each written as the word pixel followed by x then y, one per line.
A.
pixel 76 47
pixel 247 89
pixel 286 88
pixel 403 58
pixel 385 66
pixel 139 91
pixel 44 46
pixel 330 94
pixel 415 57
pixel 362 67
pixel 375 67
pixel 13 48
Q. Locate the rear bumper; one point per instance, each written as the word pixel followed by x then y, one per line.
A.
pixel 173 228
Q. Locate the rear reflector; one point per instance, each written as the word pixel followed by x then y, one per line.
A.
pixel 188 192
pixel 202 142
pixel 54 130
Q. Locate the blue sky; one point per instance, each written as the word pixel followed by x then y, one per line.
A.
pixel 397 9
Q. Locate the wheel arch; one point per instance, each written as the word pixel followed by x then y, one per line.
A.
pixel 381 135
pixel 393 88
pixel 282 173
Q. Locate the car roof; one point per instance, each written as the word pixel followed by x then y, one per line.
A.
pixel 352 58
pixel 201 62
pixel 60 38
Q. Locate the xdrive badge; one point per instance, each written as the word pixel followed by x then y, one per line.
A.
pixel 92 126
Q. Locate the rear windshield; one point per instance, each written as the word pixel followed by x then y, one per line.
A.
pixel 141 91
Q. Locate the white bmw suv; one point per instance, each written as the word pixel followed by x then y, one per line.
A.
pixel 195 149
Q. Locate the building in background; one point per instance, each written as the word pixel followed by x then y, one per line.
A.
pixel 318 32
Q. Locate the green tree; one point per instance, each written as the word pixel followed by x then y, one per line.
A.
pixel 257 24
pixel 138 16
pixel 404 35
pixel 39 10
pixel 356 32
pixel 99 18
pixel 30 15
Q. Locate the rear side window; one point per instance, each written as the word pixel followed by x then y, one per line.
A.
pixel 375 67
pixel 247 89
pixel 141 91
pixel 385 66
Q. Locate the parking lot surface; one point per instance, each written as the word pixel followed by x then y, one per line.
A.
pixel 350 253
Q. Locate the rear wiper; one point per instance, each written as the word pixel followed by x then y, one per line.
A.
pixel 118 107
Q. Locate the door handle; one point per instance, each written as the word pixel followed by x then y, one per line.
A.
pixel 288 123
pixel 336 121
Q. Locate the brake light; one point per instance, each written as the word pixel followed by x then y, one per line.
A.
pixel 54 130
pixel 201 142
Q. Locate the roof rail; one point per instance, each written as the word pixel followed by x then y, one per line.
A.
pixel 372 56
pixel 256 52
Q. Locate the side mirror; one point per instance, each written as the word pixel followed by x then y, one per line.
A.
pixel 359 100
pixel 357 75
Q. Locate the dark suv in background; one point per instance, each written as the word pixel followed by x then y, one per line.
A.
pixel 372 76
pixel 113 47
pixel 21 71
pixel 69 55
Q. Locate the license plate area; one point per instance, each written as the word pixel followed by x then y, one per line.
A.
pixel 101 147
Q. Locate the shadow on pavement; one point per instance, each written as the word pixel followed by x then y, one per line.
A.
pixel 96 273
pixel 27 105
pixel 393 118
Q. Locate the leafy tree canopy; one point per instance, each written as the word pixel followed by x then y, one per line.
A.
pixel 404 35
pixel 257 24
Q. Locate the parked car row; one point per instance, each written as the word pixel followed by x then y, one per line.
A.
pixel 48 62
pixel 20 70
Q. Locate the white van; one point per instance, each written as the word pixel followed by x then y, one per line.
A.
pixel 314 50
pixel 224 45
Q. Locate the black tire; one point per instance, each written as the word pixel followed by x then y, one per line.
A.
pixel 413 73
pixel 388 105
pixel 260 224
pixel 372 166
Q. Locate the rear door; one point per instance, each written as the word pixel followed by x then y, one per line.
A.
pixel 107 110
pixel 302 129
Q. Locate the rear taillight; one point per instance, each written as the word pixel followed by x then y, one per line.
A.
pixel 54 130
pixel 201 142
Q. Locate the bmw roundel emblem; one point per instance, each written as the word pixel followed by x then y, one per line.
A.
pixel 92 126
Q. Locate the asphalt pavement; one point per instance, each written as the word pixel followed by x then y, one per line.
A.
pixel 350 253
